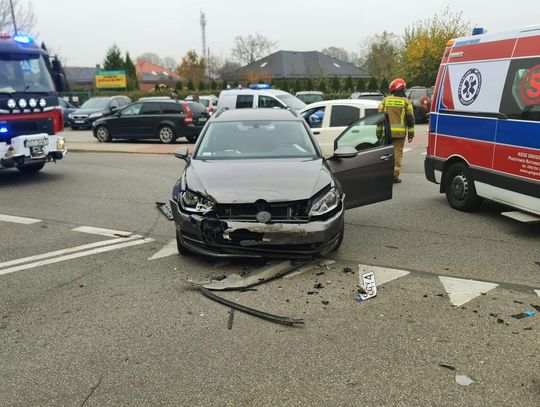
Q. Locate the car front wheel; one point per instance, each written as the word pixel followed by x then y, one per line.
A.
pixel 459 188
pixel 166 135
pixel 103 134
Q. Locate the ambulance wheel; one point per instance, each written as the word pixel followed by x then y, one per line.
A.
pixel 32 168
pixel 460 189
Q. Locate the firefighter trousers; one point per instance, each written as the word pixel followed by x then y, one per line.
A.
pixel 398 144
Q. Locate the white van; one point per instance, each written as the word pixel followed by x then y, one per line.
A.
pixel 258 98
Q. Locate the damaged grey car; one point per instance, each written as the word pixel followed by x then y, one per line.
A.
pixel 257 184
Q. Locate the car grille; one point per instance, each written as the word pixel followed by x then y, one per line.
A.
pixel 80 117
pixel 294 212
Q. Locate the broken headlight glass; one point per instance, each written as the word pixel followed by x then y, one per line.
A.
pixel 325 203
pixel 193 202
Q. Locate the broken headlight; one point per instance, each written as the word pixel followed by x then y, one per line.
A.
pixel 325 203
pixel 193 202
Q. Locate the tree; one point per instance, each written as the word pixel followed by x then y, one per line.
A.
pixel 309 85
pixel 373 84
pixel 178 85
pixel 131 74
pixel 170 63
pixel 226 69
pixel 213 85
pixel 285 85
pixel 192 67
pixel 24 17
pixel 202 85
pixel 224 84
pixel 337 52
pixel 349 86
pixel 360 85
pixel 113 59
pixel 384 85
pixel 382 55
pixel 190 85
pixel 297 87
pixel 424 43
pixel 322 85
pixel 336 84
pixel 251 47
pixel 151 57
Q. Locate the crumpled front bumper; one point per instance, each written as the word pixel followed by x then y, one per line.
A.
pixel 211 236
pixel 19 153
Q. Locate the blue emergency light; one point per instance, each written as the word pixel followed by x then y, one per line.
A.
pixel 259 86
pixel 478 31
pixel 23 39
pixel 3 130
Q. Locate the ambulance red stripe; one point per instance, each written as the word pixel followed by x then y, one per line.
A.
pixel 484 51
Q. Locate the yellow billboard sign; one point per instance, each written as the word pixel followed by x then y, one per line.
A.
pixel 111 79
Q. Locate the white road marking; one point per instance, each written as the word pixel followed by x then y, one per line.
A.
pixel 18 219
pixel 75 255
pixel 67 251
pixel 537 292
pixel 424 153
pixel 168 250
pixel 382 274
pixel 460 290
pixel 100 231
pixel 406 150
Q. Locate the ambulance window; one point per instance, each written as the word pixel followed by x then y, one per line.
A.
pixel 244 101
pixel 521 96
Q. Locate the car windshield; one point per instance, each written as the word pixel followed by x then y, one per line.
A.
pixel 291 101
pixel 311 98
pixel 204 102
pixel 255 139
pixel 370 97
pixel 23 72
pixel 96 103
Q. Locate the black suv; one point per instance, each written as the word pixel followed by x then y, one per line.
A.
pixel 95 108
pixel 154 119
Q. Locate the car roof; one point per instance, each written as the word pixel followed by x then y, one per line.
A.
pixel 365 103
pixel 309 92
pixel 255 114
pixel 254 91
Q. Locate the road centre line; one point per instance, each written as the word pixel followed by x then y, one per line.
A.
pixel 76 255
pixel 67 251
pixel 19 219
pixel 100 231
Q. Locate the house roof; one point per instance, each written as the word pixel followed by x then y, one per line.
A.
pixel 148 71
pixel 80 74
pixel 301 64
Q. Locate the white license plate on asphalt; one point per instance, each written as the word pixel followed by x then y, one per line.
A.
pixel 37 142
pixel 79 121
pixel 202 119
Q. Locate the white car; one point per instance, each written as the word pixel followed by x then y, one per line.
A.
pixel 329 118
pixel 258 98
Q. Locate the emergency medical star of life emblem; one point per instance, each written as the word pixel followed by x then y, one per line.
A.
pixel 469 86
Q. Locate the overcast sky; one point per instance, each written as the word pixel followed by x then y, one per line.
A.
pixel 82 30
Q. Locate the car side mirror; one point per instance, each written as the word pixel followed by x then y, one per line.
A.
pixel 182 153
pixel 345 152
pixel 113 109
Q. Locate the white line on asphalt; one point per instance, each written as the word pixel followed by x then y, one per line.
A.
pixel 382 274
pixel 424 153
pixel 75 255
pixel 460 290
pixel 168 250
pixel 66 251
pixel 537 292
pixel 18 219
pixel 406 150
pixel 100 231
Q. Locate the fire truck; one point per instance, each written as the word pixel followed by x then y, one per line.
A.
pixel 30 116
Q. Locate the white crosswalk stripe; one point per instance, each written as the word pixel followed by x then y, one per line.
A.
pixel 100 231
pixel 168 250
pixel 19 219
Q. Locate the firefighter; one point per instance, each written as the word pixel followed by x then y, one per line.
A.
pixel 400 113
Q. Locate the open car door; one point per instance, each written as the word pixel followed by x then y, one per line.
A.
pixel 366 175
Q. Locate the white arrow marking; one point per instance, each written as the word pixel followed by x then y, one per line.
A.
pixel 382 274
pixel 18 219
pixel 102 232
pixel 461 290
pixel 168 250
pixel 537 292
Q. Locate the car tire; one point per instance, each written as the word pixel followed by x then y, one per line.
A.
pixel 103 134
pixel 32 168
pixel 183 250
pixel 459 188
pixel 166 134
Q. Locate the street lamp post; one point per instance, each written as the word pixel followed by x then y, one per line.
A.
pixel 13 16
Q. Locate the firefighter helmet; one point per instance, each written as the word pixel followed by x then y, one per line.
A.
pixel 397 84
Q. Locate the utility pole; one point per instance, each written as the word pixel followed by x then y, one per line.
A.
pixel 13 16
pixel 203 32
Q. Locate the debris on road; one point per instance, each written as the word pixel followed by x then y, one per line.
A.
pixel 231 318
pixel 524 314
pixel 260 314
pixel 318 286
pixel 165 208
pixel 325 302
pixel 348 270
pixel 464 380
pixel 368 286
pixel 392 247
pixel 447 366
pixel 536 307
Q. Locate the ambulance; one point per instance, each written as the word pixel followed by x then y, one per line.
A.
pixel 484 128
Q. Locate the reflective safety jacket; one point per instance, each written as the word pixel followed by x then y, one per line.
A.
pixel 401 115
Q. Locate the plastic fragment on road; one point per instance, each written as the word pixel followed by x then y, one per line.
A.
pixel 367 287
pixel 165 209
pixel 447 366
pixel 464 380
pixel 524 314
pixel 231 319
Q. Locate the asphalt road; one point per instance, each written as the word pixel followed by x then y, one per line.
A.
pixel 114 328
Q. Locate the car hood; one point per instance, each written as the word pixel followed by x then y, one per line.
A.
pixel 246 181
pixel 90 111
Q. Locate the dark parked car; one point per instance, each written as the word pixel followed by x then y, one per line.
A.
pixel 95 108
pixel 165 120
pixel 257 184
pixel 67 109
pixel 420 98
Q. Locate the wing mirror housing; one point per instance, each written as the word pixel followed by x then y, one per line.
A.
pixel 182 153
pixel 345 152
